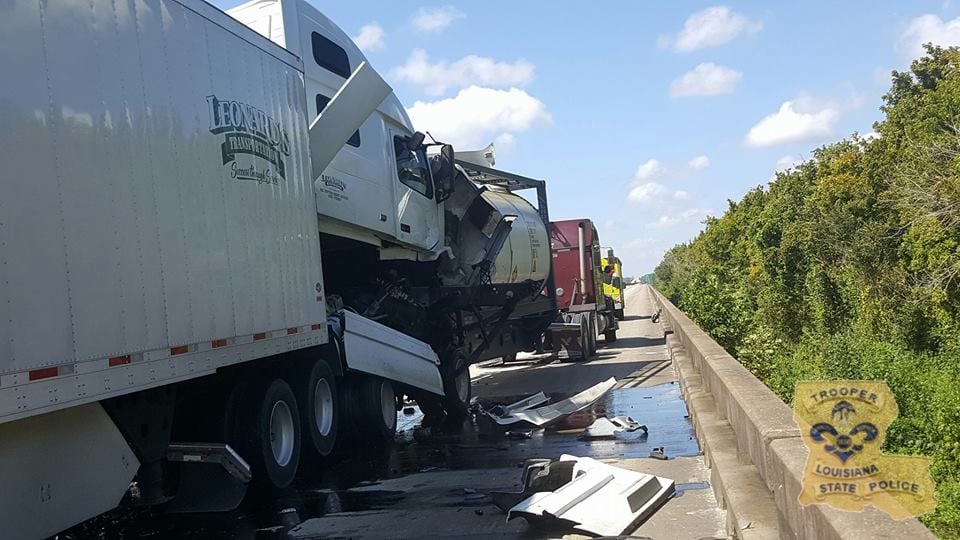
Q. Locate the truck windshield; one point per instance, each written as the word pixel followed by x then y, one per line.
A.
pixel 412 168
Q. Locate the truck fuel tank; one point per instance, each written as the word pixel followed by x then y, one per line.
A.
pixel 491 225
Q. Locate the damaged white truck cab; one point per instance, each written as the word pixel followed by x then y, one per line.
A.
pixel 375 189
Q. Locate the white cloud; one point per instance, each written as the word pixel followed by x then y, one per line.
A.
pixel 434 20
pixel 647 192
pixel 505 143
pixel 869 136
pixel 709 28
pixel 649 169
pixel 476 114
pixel 929 28
pixel 435 78
pixel 707 79
pixel 699 162
pixel 795 121
pixel 654 193
pixel 787 162
pixel 370 37
pixel 686 216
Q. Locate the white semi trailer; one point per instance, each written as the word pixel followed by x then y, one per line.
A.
pixel 206 283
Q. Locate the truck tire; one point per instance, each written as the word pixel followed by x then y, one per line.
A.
pixel 369 407
pixel 457 387
pixel 610 336
pixel 592 333
pixel 315 387
pixel 584 339
pixel 269 434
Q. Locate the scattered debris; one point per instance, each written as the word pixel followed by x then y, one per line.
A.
pixel 538 475
pixel 519 435
pixel 507 410
pixel 600 500
pixel 658 452
pixel 522 411
pixel 607 428
pixel 655 318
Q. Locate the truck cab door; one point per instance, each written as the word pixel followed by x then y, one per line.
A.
pixel 418 213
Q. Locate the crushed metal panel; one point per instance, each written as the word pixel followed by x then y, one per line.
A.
pixel 607 428
pixel 551 413
pixel 601 500
pixel 373 348
pixel 50 458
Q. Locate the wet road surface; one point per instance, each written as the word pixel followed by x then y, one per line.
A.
pixel 433 486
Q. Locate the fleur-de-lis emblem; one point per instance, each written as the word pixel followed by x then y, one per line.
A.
pixel 844 442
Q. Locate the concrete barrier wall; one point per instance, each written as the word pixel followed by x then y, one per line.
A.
pixel 754 447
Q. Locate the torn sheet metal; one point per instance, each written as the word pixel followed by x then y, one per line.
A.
pixel 507 410
pixel 601 500
pixel 538 475
pixel 550 413
pixel 607 428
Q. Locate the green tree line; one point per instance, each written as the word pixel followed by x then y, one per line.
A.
pixel 848 267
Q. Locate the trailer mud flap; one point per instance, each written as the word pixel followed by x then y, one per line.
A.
pixel 61 468
pixel 373 348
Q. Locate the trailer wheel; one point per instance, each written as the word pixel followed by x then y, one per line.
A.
pixel 369 405
pixel 610 336
pixel 316 391
pixel 270 434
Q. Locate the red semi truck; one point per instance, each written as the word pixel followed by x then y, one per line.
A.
pixel 585 311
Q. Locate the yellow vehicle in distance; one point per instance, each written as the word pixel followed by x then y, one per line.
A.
pixel 613 282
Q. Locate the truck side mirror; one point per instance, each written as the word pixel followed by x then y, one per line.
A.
pixel 445 173
pixel 415 141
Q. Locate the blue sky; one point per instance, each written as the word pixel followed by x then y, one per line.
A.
pixel 643 116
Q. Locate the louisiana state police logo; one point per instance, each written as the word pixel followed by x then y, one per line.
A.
pixel 843 424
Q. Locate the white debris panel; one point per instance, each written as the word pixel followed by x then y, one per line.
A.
pixel 600 500
pixel 546 414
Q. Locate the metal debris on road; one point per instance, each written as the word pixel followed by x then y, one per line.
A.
pixel 538 475
pixel 658 453
pixel 607 428
pixel 523 412
pixel 600 500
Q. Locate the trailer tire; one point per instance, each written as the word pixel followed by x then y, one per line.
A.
pixel 316 391
pixel 369 406
pixel 270 436
pixel 610 336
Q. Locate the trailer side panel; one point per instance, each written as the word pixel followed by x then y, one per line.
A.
pixel 157 217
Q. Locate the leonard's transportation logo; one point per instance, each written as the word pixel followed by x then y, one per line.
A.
pixel 843 424
pixel 250 131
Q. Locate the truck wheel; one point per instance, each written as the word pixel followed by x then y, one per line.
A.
pixel 457 388
pixel 584 336
pixel 270 434
pixel 592 332
pixel 370 410
pixel 610 336
pixel 316 391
